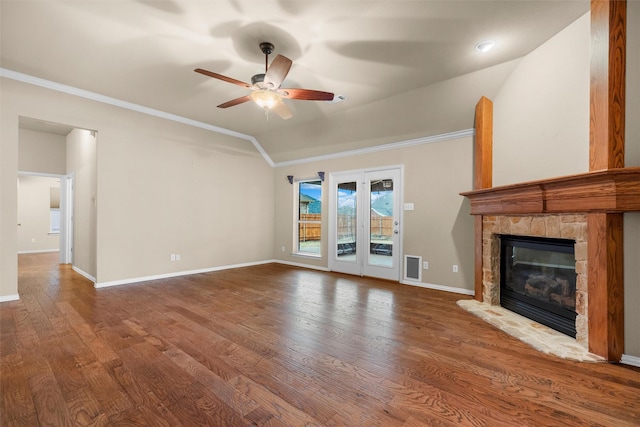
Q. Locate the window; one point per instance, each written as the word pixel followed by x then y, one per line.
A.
pixel 309 217
pixel 54 210
pixel 54 221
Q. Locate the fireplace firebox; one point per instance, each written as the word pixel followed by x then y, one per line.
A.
pixel 538 280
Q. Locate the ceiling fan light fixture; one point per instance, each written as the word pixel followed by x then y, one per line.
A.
pixel 485 46
pixel 265 99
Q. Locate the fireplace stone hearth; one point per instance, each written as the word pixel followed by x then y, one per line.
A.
pixel 542 338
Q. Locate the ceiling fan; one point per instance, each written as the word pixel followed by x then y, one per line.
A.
pixel 266 91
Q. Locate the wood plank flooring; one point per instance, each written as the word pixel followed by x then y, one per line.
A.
pixel 275 345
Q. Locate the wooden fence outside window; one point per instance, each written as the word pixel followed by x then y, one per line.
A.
pixel 381 227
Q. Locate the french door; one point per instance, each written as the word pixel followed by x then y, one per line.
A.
pixel 364 223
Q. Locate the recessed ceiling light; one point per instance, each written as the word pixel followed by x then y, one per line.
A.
pixel 485 46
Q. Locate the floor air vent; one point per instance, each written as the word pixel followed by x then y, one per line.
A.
pixel 412 270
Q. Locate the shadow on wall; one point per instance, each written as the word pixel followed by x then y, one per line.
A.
pixel 462 235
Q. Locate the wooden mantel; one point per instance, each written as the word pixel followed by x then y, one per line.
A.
pixel 606 191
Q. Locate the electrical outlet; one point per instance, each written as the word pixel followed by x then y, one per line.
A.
pixel 455 268
pixel 33 240
pixel 177 257
pixel 425 265
pixel 173 257
pixel 283 249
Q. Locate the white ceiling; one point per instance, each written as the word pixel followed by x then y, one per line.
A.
pixel 144 52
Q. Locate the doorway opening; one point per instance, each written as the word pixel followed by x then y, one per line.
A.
pixel 67 153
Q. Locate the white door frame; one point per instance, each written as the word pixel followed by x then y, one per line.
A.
pixel 66 213
pixel 66 218
pixel 360 265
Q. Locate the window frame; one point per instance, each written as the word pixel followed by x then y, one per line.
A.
pixel 297 221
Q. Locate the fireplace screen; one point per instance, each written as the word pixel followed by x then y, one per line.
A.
pixel 538 280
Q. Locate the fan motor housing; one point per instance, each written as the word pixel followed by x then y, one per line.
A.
pixel 257 80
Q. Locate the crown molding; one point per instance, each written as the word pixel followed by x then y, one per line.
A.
pixel 384 147
pixel 70 90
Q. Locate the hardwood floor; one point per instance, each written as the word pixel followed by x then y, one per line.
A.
pixel 275 345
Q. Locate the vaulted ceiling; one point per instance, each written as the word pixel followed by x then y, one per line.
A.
pixel 407 68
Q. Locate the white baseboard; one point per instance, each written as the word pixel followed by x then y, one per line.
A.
pixel 298 264
pixel 439 287
pixel 38 251
pixel 83 273
pixel 176 274
pixel 7 298
pixel 630 360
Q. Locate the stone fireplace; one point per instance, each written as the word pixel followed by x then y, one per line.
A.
pixel 587 208
pixel 573 227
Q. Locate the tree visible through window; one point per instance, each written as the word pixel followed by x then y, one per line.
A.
pixel 309 217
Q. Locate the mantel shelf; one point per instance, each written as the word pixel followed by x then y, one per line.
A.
pixel 608 191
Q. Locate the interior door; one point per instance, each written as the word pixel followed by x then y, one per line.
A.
pixel 364 223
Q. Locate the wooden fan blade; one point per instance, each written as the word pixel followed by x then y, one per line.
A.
pixel 277 71
pixel 236 101
pixel 221 77
pixel 282 110
pixel 306 94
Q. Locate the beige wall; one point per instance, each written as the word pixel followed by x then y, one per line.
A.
pixel 440 229
pixel 41 152
pixel 162 188
pixel 34 197
pixel 541 114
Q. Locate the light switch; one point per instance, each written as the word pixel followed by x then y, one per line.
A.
pixel 408 206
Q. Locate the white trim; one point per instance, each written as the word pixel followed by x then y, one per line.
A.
pixel 297 264
pixel 7 298
pixel 38 251
pixel 42 174
pixel 258 147
pixel 309 255
pixel 630 360
pixel 177 274
pixel 48 84
pixel 384 147
pixel 83 273
pixel 439 287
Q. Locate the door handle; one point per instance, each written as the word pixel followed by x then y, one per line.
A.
pixel 395 231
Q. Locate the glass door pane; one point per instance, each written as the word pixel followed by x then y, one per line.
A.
pixel 347 221
pixel 381 222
